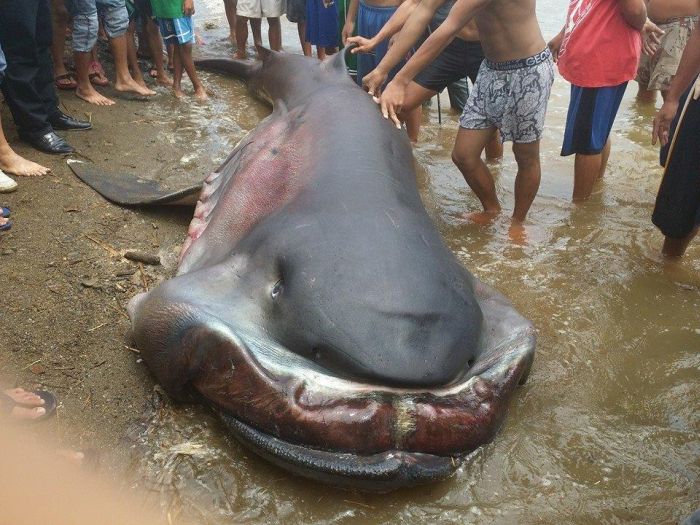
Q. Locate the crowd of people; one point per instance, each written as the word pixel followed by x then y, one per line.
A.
pixel 406 52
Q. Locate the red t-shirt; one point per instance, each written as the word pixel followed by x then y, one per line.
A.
pixel 599 48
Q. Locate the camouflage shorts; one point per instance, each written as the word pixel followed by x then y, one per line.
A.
pixel 657 71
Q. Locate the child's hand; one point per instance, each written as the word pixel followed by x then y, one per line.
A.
pixel 188 7
pixel 328 3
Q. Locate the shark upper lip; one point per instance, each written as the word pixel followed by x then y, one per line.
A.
pixel 300 403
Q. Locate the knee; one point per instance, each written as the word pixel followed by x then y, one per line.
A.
pixel 274 22
pixel 116 20
pixel 465 160
pixel 85 27
pixel 526 159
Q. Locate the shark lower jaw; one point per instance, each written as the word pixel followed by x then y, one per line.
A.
pixel 380 472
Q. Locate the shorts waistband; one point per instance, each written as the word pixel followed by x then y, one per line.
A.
pixel 520 63
pixel 379 9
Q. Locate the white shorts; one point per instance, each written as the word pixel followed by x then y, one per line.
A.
pixel 260 8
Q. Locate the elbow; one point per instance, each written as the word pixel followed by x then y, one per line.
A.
pixel 636 15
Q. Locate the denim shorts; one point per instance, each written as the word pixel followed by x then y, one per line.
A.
pixel 85 23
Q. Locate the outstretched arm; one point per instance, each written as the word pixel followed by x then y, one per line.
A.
pixel 393 26
pixel 412 30
pixel 350 18
pixel 460 14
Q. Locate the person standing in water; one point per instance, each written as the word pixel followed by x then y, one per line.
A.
pixel 510 94
pixel 597 51
pixel 677 127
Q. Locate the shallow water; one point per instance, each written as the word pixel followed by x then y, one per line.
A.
pixel 607 429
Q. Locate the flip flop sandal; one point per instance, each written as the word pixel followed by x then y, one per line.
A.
pixel 97 75
pixel 4 212
pixel 6 226
pixel 95 79
pixel 67 86
pixel 8 404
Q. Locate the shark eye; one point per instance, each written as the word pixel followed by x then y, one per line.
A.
pixel 277 289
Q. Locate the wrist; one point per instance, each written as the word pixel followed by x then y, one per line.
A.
pixel 400 79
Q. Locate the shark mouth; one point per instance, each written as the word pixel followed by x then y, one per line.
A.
pixel 299 416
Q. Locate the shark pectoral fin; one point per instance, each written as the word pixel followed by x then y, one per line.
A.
pixel 242 69
pixel 130 190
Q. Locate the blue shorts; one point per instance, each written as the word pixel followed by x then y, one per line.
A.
pixel 591 115
pixel 177 30
pixel 370 21
pixel 85 24
pixel 321 23
pixel 677 209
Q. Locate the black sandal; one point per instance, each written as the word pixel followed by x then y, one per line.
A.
pixel 7 404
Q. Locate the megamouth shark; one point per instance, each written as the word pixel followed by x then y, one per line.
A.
pixel 316 308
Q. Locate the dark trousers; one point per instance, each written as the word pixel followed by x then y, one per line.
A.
pixel 25 37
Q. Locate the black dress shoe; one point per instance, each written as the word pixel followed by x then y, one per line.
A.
pixel 61 121
pixel 48 143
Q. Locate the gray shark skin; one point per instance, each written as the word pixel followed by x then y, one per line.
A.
pixel 316 308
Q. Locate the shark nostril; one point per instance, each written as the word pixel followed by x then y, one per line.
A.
pixel 277 289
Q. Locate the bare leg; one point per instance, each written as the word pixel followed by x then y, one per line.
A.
pixel 321 52
pixel 124 81
pixel 58 44
pixel 230 6
pixel 494 149
pixel 413 120
pixel 467 157
pixel 604 156
pixel 305 46
pixel 132 59
pixel 275 33
pixel 646 96
pixel 13 164
pixel 188 65
pixel 527 181
pixel 177 71
pixel 256 29
pixel 155 44
pixel 241 37
pixel 96 67
pixel 331 50
pixel 587 170
pixel 677 247
pixel 85 90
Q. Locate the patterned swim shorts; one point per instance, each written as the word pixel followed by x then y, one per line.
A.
pixel 511 96
pixel 657 71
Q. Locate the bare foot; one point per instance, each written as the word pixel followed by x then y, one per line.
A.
pixel 200 93
pixel 13 164
pixel 164 80
pixel 141 82
pixel 29 404
pixel 3 221
pixel 241 55
pixel 517 233
pixel 177 91
pixel 483 218
pixel 93 97
pixel 132 87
